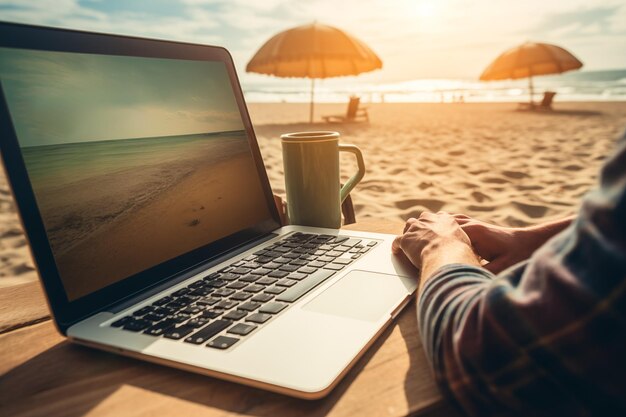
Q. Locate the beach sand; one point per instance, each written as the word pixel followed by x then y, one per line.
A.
pixel 486 160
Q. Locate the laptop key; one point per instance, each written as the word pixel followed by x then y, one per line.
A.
pixel 207 301
pixel 159 328
pixel 266 281
pixel 179 317
pixel 241 296
pixel 290 268
pixel 143 311
pixel 181 292
pixel 154 317
pixel 226 304
pixel 242 329
pixel 249 306
pixel 275 290
pixel 259 318
pixel 178 332
pixel 208 331
pixel 192 310
pixel 342 261
pixel 223 292
pixel 254 288
pixel 122 321
pixel 237 285
pixel 278 274
pixel 273 308
pixel 302 287
pixel 286 282
pixel 241 270
pixel 197 322
pixel 334 267
pixel 201 291
pixel 307 270
pixel 297 276
pixel 262 298
pixel 222 342
pixel 235 315
pixel 249 278
pixel 316 264
pixel 218 283
pixel 282 260
pixel 228 276
pixel 162 301
pixel 272 266
pixel 325 259
pixel 211 314
pixel 261 271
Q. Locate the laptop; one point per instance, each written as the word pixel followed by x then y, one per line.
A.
pixel 152 224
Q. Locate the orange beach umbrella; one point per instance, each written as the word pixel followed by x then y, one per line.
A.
pixel 529 59
pixel 313 51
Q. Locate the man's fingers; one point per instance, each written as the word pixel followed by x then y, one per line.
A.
pixel 408 224
pixel 395 245
pixel 497 265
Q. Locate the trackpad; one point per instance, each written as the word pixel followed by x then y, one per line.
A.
pixel 362 295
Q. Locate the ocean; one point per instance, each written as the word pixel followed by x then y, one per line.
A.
pixel 61 164
pixel 572 86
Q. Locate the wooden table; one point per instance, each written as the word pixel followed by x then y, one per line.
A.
pixel 41 374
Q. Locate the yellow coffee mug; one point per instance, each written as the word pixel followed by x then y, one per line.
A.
pixel 312 182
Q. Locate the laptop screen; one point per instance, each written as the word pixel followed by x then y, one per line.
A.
pixel 133 161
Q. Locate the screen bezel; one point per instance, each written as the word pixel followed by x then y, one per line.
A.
pixel 68 312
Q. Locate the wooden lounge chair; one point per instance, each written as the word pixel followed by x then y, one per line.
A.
pixel 546 102
pixel 353 114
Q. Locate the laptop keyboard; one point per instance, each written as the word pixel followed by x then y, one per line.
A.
pixel 226 306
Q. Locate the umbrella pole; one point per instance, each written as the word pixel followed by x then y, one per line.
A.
pixel 312 96
pixel 532 91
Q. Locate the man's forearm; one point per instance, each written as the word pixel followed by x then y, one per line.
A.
pixel 540 234
pixel 437 255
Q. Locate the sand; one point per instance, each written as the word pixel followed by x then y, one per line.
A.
pixel 486 160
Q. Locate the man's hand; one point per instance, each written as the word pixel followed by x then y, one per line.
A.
pixel 432 241
pixel 506 246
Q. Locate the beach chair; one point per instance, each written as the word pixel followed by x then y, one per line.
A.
pixel 353 114
pixel 546 102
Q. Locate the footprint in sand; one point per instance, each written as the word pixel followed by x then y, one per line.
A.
pixel 424 185
pixel 397 171
pixel 496 180
pixel 430 204
pixel 531 210
pixel 529 187
pixel 515 174
pixel 474 207
pixel 480 197
pixel 456 153
pixel 193 223
pixel 572 167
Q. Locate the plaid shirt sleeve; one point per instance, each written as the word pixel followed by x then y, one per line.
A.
pixel 545 337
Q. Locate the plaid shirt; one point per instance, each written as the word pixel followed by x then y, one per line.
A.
pixel 547 336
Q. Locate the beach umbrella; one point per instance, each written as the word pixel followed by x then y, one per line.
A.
pixel 529 59
pixel 313 51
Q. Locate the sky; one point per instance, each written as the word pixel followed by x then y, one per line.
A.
pixel 57 97
pixel 414 38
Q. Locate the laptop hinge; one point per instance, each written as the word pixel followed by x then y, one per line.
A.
pixel 149 292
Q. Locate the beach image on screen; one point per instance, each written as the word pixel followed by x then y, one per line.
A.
pixel 133 161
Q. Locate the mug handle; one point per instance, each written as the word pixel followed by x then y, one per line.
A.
pixel 354 180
